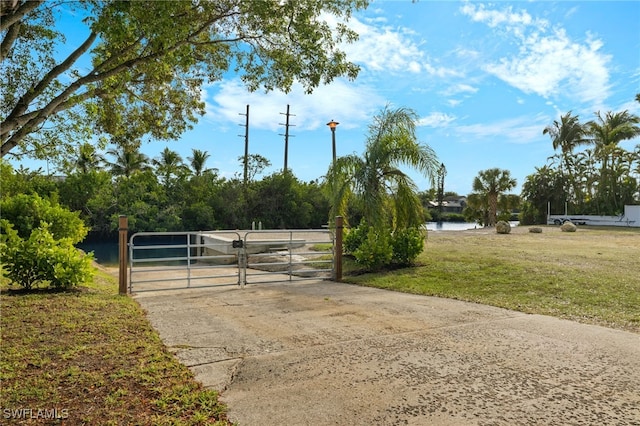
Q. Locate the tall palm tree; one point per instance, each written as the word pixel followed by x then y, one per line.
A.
pixel 606 133
pixel 198 160
pixel 490 184
pixel 168 165
pixel 386 195
pixel 586 165
pixel 636 160
pixel 566 135
pixel 88 159
pixel 128 160
pixel 612 129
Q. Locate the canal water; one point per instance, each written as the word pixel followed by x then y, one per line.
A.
pixel 457 226
pixel 106 252
pixel 450 226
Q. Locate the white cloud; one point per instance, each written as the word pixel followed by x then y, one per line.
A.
pixel 519 130
pixel 339 99
pixel 383 49
pixel 459 88
pixel 548 65
pixel 508 17
pixel 632 106
pixel 554 65
pixel 468 54
pixel 436 119
pixel 441 71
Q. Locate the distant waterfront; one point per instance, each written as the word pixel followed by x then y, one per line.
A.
pixel 456 226
pixel 106 253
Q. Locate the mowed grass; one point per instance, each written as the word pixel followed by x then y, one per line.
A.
pixel 590 276
pixel 91 357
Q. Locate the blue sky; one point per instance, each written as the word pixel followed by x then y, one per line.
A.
pixel 485 79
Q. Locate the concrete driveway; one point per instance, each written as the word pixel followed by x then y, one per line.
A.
pixel 325 353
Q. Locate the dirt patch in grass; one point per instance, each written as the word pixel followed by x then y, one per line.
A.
pixel 90 356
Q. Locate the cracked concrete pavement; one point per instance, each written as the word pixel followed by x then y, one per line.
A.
pixel 325 353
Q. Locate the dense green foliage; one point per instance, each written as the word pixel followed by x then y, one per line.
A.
pixel 375 251
pixel 28 212
pixel 154 202
pixel 406 245
pixel 41 259
pixel 488 198
pixel 373 181
pixel 592 173
pixel 37 238
pixel 385 196
pixel 355 237
pixel 139 66
pixel 378 248
pixel 544 186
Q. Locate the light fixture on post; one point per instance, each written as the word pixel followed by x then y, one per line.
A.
pixel 332 125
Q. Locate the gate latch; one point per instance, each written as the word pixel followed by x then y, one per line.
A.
pixel 237 244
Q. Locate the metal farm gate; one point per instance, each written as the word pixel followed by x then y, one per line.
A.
pixel 179 260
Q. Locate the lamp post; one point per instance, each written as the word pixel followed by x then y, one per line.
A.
pixel 442 172
pixel 332 125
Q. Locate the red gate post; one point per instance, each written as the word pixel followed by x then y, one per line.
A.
pixel 123 228
pixel 337 255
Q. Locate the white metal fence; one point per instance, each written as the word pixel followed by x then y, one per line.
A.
pixel 179 260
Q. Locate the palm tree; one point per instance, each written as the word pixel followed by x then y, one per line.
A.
pixel 198 160
pixel 606 133
pixel 88 159
pixel 489 185
pixel 612 129
pixel 566 135
pixel 386 195
pixel 128 160
pixel 168 165
pixel 585 164
pixel 636 160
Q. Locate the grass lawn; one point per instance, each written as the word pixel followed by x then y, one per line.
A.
pixel 91 357
pixel 590 276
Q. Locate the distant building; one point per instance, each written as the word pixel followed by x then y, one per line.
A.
pixel 450 204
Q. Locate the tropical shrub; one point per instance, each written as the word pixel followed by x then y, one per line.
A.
pixel 375 251
pixel 42 260
pixel 376 248
pixel 406 245
pixel 26 212
pixel 355 237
